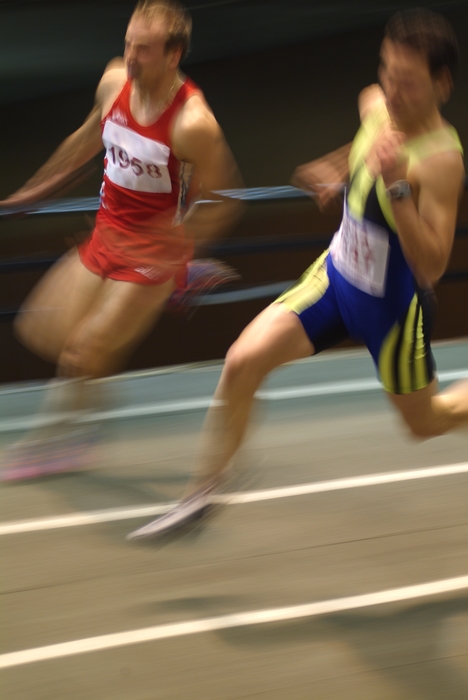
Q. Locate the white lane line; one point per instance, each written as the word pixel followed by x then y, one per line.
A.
pixel 339 484
pixel 323 389
pixel 346 387
pixel 211 624
pixel 102 516
pixel 91 517
pixel 204 402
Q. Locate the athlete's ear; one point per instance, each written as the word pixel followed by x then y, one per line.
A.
pixel 443 82
pixel 381 66
pixel 175 55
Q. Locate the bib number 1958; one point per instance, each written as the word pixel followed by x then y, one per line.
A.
pixel 122 160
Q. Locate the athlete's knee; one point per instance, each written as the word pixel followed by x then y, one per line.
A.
pixel 242 364
pixel 424 413
pixel 23 328
pixel 236 363
pixel 424 427
pixel 423 431
pixel 34 336
pixel 71 363
pixel 82 357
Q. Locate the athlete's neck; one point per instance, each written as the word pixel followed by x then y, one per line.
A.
pixel 154 97
pixel 417 127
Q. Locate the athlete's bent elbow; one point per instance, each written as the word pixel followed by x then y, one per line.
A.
pixel 427 275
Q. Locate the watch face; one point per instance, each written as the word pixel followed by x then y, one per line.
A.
pixel 399 190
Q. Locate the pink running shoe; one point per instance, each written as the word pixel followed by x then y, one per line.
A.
pixel 203 276
pixel 39 458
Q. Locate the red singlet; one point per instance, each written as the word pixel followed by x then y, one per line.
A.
pixel 137 236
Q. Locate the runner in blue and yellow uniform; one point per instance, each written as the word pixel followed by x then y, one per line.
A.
pixel 363 287
pixel 374 284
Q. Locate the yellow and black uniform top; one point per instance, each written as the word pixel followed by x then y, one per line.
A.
pixel 416 150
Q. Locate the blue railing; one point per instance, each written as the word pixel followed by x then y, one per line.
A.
pixel 226 247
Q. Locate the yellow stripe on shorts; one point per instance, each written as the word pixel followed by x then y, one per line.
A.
pixel 309 288
pixel 403 361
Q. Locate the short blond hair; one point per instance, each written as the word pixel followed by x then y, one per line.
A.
pixel 178 20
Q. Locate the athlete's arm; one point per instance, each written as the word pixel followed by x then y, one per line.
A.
pixel 324 177
pixel 76 151
pixel 426 222
pixel 426 228
pixel 369 99
pixel 197 139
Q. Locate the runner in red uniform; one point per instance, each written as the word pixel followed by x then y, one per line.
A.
pixel 142 196
pixel 164 149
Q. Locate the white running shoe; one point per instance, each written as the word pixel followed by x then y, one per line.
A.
pixel 188 512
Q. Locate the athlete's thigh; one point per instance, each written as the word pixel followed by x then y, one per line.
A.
pixel 313 299
pixel 274 337
pixel 56 305
pixel 122 313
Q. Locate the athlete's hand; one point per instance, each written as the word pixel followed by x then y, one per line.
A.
pixel 20 203
pixel 324 177
pixel 50 188
pixel 387 156
pixel 320 179
pixel 24 198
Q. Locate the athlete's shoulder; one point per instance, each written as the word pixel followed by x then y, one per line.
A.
pixel 189 88
pixel 443 168
pixel 436 155
pixel 195 121
pixel 111 83
pixel 196 131
pixel 195 112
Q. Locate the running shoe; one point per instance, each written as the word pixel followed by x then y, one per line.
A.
pixel 203 276
pixel 45 457
pixel 179 519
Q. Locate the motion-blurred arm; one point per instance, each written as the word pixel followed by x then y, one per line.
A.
pixel 67 165
pixel 198 140
pixel 323 178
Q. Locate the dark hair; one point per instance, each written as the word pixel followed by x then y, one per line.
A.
pixel 178 20
pixel 427 32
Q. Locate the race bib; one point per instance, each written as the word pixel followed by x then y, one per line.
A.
pixel 134 161
pixel 360 252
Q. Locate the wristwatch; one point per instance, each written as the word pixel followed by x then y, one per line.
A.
pixel 401 189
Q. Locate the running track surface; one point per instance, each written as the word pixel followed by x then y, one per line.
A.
pixel 337 568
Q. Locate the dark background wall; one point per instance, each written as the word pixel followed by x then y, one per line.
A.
pixel 279 107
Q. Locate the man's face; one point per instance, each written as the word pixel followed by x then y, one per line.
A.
pixel 411 92
pixel 145 57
